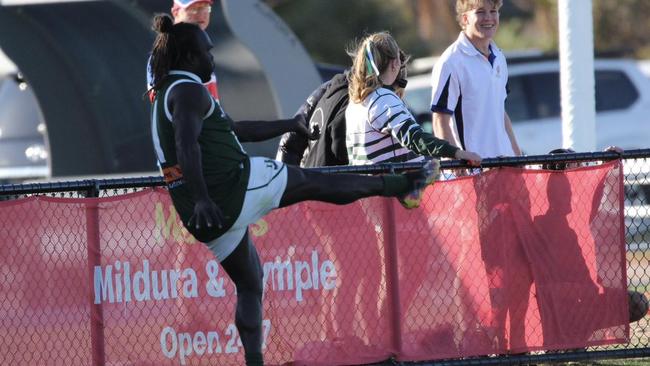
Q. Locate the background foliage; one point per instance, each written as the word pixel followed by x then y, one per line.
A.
pixel 427 27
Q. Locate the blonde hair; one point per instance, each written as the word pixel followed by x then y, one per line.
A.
pixel 463 6
pixel 370 58
pixel 399 90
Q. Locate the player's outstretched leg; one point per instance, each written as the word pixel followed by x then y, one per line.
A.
pixel 303 185
pixel 244 268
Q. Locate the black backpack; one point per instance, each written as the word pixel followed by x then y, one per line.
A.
pixel 325 108
pixel 329 115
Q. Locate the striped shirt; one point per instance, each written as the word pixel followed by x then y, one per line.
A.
pixel 382 130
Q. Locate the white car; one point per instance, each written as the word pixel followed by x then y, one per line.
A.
pixel 622 119
pixel 533 104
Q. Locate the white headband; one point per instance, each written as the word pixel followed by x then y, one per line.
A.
pixel 371 59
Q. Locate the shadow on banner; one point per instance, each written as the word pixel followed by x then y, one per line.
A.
pixel 166 301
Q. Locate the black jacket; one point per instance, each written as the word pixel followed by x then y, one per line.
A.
pixel 324 108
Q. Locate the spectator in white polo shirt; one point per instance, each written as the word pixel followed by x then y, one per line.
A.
pixel 469 85
pixel 468 104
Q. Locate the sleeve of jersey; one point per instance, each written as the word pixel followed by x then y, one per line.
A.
pixel 307 108
pixel 445 88
pixel 389 115
pixel 505 70
pixel 292 148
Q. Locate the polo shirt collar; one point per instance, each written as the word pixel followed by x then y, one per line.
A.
pixel 468 48
pixel 186 73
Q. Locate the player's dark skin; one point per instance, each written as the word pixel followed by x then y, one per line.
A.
pixel 188 104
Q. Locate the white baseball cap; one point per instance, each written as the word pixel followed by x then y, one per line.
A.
pixel 184 4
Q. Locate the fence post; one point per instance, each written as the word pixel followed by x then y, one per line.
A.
pixel 392 274
pixel 94 259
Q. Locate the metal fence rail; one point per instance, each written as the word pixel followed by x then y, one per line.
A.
pixel 131 183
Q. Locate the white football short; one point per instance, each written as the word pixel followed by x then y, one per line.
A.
pixel 266 185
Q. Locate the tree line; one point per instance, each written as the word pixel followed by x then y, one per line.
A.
pixel 427 27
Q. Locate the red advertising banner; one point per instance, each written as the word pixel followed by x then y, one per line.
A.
pixel 507 261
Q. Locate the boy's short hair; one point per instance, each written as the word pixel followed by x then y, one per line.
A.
pixel 557 166
pixel 463 6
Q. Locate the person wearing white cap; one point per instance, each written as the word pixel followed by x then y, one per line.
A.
pixel 192 11
pixel 195 12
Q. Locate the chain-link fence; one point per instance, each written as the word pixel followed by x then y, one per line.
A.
pixel 503 266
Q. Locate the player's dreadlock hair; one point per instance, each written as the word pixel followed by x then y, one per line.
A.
pixel 173 45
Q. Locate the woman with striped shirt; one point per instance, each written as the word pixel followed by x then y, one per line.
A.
pixel 380 128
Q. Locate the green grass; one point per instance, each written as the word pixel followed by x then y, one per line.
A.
pixel 625 362
pixel 628 362
pixel 639 237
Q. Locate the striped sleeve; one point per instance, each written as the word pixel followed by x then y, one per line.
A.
pixel 388 114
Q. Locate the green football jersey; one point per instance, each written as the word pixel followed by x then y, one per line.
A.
pixel 226 166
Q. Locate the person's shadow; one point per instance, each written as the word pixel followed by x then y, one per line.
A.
pixel 567 296
pixel 350 239
pixel 575 298
pixel 503 205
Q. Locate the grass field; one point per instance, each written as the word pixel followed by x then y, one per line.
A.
pixel 628 362
pixel 631 362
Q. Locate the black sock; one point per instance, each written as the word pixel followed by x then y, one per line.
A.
pixel 395 185
pixel 254 359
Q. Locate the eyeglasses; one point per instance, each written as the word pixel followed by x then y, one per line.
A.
pixel 199 10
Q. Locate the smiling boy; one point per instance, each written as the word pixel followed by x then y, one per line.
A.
pixel 469 85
